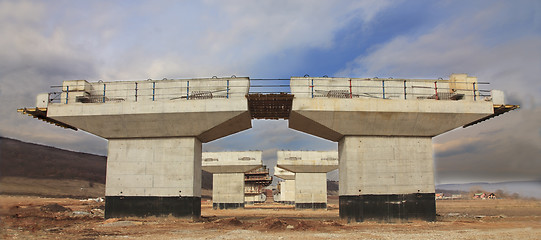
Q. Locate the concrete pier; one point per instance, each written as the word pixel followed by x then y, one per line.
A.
pixel 228 170
pixel 158 176
pixel 287 186
pixel 155 130
pixel 310 168
pixel 386 178
pixel 384 129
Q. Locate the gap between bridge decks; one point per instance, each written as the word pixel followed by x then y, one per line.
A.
pixel 270 106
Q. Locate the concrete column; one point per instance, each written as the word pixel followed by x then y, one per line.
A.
pixel 153 177
pixel 310 168
pixel 228 190
pixel 310 190
pixel 250 200
pixel 287 191
pixel 228 169
pixel 386 178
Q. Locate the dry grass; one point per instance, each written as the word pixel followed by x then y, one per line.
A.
pixel 50 187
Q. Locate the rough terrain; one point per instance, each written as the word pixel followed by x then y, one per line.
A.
pixel 63 218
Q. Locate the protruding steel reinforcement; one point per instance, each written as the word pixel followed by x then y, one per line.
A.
pixel 270 106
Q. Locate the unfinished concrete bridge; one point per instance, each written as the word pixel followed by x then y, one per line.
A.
pixel 384 130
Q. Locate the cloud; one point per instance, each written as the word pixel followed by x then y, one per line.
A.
pixel 495 44
pixel 500 149
pixel 498 42
pixel 46 43
pixel 33 54
pixel 224 38
pixel 455 146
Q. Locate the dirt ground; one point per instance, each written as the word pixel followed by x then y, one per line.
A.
pixel 62 218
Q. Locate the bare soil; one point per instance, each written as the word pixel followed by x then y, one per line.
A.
pixel 64 218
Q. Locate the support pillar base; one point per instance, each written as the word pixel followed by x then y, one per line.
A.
pixel 310 205
pixel 388 207
pixel 227 205
pixel 137 206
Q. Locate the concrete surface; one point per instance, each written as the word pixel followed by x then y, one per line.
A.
pixel 228 188
pixel 308 161
pixel 372 115
pixel 310 168
pixel 283 174
pixel 154 167
pixel 287 186
pixel 231 162
pixel 310 188
pixel 287 191
pixel 228 170
pixel 155 129
pixel 334 118
pixel 385 165
pixel 121 115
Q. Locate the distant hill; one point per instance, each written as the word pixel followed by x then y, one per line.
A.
pixel 531 189
pixel 20 159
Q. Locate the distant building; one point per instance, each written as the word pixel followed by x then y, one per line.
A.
pixel 442 196
pixel 456 196
pixel 483 195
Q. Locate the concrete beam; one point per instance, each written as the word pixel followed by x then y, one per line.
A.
pixel 333 118
pixel 231 162
pixel 308 161
pixel 208 119
pixel 283 174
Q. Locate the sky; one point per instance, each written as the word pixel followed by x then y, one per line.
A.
pixel 46 42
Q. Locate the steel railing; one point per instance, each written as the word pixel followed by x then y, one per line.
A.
pixel 190 89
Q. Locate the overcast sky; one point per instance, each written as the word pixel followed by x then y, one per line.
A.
pixel 46 42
